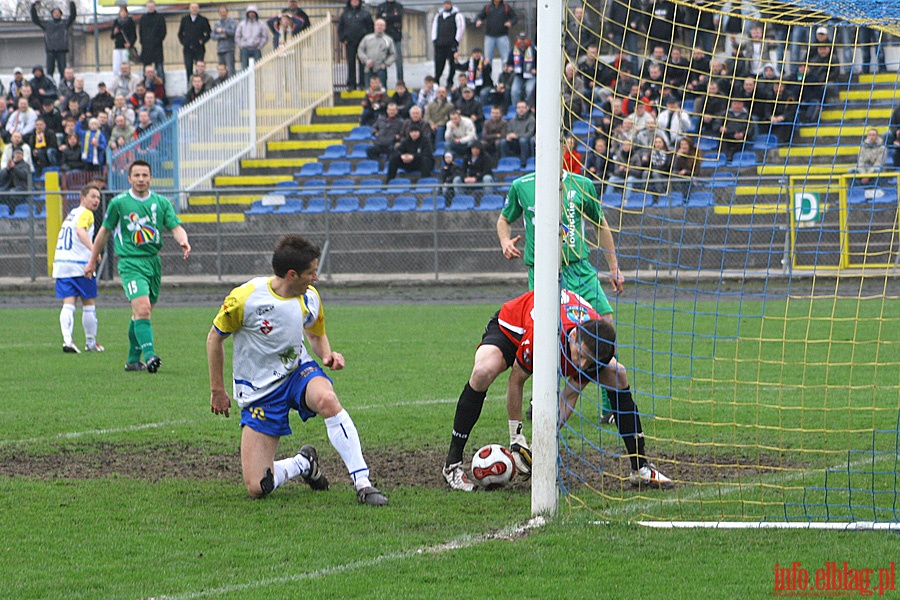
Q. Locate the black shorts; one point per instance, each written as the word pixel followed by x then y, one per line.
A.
pixel 494 336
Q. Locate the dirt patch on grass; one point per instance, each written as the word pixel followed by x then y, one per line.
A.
pixel 419 468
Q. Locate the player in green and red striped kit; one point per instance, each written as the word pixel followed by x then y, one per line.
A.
pixel 135 220
pixel 580 206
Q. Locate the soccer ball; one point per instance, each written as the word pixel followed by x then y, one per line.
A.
pixel 493 466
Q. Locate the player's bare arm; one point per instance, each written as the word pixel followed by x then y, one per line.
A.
pixel 181 237
pixel 320 345
pixel 515 388
pixel 568 397
pixel 99 244
pixel 507 244
pixel 219 401
pixel 608 246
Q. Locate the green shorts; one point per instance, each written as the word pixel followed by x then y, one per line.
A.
pixel 140 277
pixel 581 278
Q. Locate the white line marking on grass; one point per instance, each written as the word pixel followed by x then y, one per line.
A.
pixel 402 404
pixel 508 533
pixel 77 434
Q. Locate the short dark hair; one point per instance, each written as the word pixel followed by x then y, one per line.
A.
pixel 293 252
pixel 88 188
pixel 139 163
pixel 598 337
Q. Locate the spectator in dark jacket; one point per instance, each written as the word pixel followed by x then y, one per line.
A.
pixel 102 101
pixel 42 87
pixel 297 12
pixel 152 29
pixel 471 107
pixel 478 73
pixel 197 89
pixel 403 98
pixel 124 35
pixel 284 28
pixel 44 149
pixel 193 33
pixel 56 35
pixel 391 12
pixel 497 17
pixel 386 132
pixel 354 24
pixel 447 31
pixel 476 169
pixel 412 154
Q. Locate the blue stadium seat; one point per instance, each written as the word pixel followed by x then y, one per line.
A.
pixel 508 164
pixel 764 143
pixel 404 204
pixel 638 200
pixel 491 202
pixel 429 203
pixel 611 199
pixel 530 164
pixel 688 105
pixel 287 186
pixel 713 160
pixel 315 205
pixel 311 169
pixel 439 148
pixel 399 185
pixel 359 151
pixel 369 187
pixel 700 200
pixel 722 179
pixel 258 208
pixel 4 211
pixel 580 129
pixel 461 202
pixel 359 134
pixel 334 152
pixel 743 160
pixel 672 199
pixel 313 183
pixel 375 204
pixel 341 187
pixel 338 168
pixel 22 211
pixel 291 206
pixel 705 144
pixel 346 204
pixel 367 167
pixel 426 185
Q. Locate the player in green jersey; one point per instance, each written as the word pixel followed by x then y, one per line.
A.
pixel 135 220
pixel 580 209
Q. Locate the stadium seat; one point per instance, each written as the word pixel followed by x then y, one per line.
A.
pixel 369 187
pixel 258 208
pixel 461 202
pixel 404 204
pixel 764 143
pixel 426 185
pixel 311 169
pixel 706 144
pixel 671 199
pixel 334 152
pixel 713 160
pixel 611 200
pixel 4 211
pixel 338 168
pixel 490 202
pixel 530 164
pixel 359 151
pixel 375 204
pixel 359 134
pixel 287 186
pixel 313 183
pixel 508 164
pixel 743 160
pixel 430 203
pixel 367 167
pixel 341 187
pixel 581 129
pixel 291 206
pixel 638 200
pixel 722 179
pixel 688 106
pixel 700 200
pixel 315 205
pixel 439 148
pixel 399 185
pixel 346 204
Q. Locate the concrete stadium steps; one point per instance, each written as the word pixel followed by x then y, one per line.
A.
pixel 856 113
pixel 818 151
pixel 232 201
pixel 227 181
pixel 839 131
pixel 870 94
pixel 273 166
pixel 890 78
pixel 807 169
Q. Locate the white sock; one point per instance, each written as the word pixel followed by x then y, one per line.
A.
pixel 345 439
pixel 67 322
pixel 515 434
pixel 89 322
pixel 288 468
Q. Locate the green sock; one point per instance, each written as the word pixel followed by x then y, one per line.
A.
pixel 143 331
pixel 607 407
pixel 134 349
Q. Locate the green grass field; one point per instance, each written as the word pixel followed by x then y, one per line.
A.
pixel 124 485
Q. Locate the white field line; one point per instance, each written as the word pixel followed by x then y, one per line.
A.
pixel 99 432
pixel 509 533
pixel 704 493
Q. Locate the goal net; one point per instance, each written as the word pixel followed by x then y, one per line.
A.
pixel 744 158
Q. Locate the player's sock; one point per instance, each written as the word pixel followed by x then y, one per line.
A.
pixel 288 468
pixel 604 397
pixel 143 331
pixel 629 424
pixel 468 409
pixel 89 322
pixel 134 349
pixel 67 322
pixel 345 439
pixel 515 434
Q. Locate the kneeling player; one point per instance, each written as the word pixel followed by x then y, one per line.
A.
pixel 587 348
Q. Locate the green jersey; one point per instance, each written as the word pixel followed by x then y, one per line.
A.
pixel 136 224
pixel 580 202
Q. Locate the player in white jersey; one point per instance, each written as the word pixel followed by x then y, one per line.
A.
pixel 274 373
pixel 73 249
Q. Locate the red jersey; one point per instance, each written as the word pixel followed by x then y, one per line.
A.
pixel 516 320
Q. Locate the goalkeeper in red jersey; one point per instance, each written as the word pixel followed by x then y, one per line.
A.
pixel 587 354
